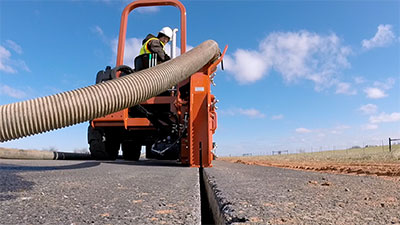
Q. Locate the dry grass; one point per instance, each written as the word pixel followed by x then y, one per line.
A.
pixel 356 155
pixel 359 161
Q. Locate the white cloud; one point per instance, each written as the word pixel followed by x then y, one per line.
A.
pixel 369 109
pixel 302 130
pixel 378 91
pixel 359 80
pixel 345 88
pixel 375 93
pixel 338 129
pixel 226 112
pixel 132 49
pixel 251 112
pixel 247 66
pixel 9 65
pixel 149 9
pixel 370 127
pixel 277 117
pixel 295 55
pixel 12 92
pixel 383 37
pixel 124 3
pixel 97 30
pixel 5 56
pixel 342 127
pixel 386 85
pixel 167 49
pixel 14 46
pixel 383 117
pixel 23 65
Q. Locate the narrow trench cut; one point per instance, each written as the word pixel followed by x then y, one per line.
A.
pixel 206 211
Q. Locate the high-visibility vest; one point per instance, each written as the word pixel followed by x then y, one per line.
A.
pixel 145 49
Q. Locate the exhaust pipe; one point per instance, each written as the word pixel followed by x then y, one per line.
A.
pixel 173 47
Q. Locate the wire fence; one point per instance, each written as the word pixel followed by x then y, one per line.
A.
pixel 373 153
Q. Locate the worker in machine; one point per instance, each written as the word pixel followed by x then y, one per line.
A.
pixel 152 44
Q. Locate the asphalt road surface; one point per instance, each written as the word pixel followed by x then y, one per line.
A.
pixel 91 192
pixel 266 195
pixel 154 192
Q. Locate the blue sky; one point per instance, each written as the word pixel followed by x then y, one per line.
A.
pixel 299 75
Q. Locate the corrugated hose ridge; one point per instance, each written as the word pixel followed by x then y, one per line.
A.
pixel 72 107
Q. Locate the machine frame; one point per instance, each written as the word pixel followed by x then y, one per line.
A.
pixel 191 102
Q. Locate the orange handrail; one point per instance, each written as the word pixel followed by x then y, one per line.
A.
pixel 142 3
pixel 214 65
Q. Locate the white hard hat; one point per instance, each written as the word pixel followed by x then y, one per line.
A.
pixel 167 31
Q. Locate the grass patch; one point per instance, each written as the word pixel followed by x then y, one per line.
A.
pixel 362 155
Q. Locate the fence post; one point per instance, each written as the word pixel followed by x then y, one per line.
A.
pixel 390 145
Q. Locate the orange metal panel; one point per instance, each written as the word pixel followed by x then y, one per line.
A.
pixel 138 122
pixel 107 123
pixel 160 100
pixel 185 146
pixel 185 152
pixel 114 117
pixel 213 67
pixel 199 126
pixel 207 155
pixel 213 115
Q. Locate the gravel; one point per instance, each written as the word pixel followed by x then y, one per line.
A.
pixel 266 195
pixel 91 192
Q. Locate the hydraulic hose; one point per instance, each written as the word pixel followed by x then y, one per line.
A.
pixel 72 107
pixel 6 153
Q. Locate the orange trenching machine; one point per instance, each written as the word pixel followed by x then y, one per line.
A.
pixel 177 124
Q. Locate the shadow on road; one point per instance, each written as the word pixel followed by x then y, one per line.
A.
pixel 148 162
pixel 12 182
pixel 89 164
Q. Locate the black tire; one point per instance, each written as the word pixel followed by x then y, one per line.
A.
pixel 102 145
pixel 131 150
pixel 112 147
pixel 149 154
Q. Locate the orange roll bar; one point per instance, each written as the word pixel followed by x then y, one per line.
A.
pixel 142 3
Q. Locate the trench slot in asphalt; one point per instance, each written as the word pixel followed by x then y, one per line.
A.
pixel 207 215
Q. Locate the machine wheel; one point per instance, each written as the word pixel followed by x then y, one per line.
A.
pixel 102 145
pixel 149 154
pixel 131 150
